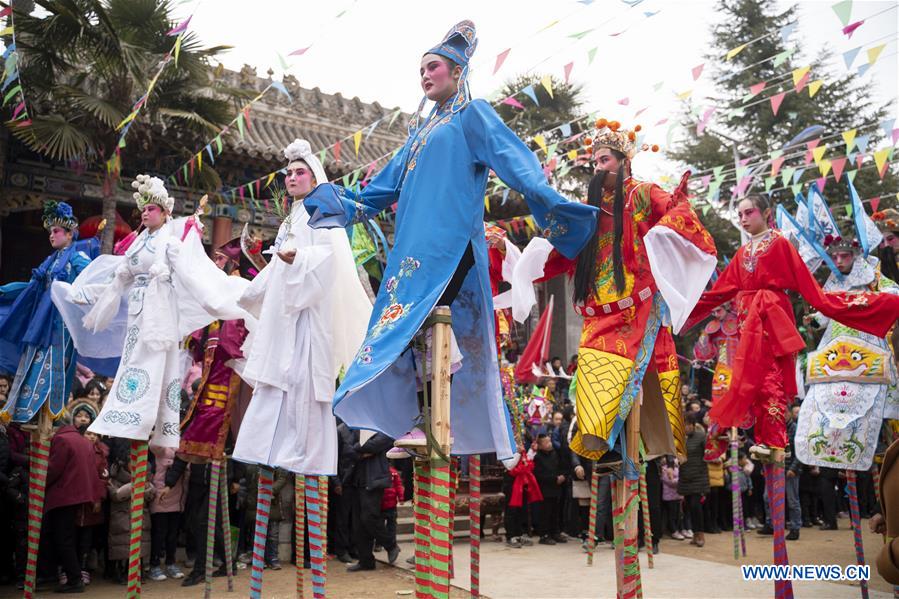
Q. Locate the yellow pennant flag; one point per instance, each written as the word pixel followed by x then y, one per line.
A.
pixel 357 139
pixel 874 53
pixel 487 204
pixel 849 138
pixel 556 22
pixel 125 120
pixel 814 86
pixel 178 48
pixel 799 73
pixel 735 51
pixel 200 160
pixel 547 83
pixel 6 31
pixel 271 177
pixel 540 141
pixel 684 95
pixel 880 158
pixel 818 153
pixel 824 167
pixel 572 155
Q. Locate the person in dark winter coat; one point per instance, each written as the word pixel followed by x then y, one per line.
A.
pixel 72 480
pixel 548 471
pixel 366 484
pixel 341 508
pixel 693 482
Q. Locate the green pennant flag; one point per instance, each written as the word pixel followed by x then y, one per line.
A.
pixel 551 150
pixel 240 124
pixel 769 183
pixel 741 170
pixel 218 143
pixel 581 35
pixel 848 210
pixel 786 175
pixel 714 186
pixel 322 155
pixel 184 171
pixel 658 86
pixel 346 180
pixel 250 188
pixel 851 175
pixel 776 154
pixel 843 10
pixel 9 95
pixel 705 210
pixel 796 189
pixel 783 56
pixel 591 54
pixel 717 171
pixel 393 118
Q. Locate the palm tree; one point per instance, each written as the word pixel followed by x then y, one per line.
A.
pixel 84 64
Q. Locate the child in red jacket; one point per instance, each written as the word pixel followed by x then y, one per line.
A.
pixel 392 496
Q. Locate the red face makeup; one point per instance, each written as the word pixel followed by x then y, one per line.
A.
pixel 843 261
pixel 751 218
pixel 152 216
pixel 437 81
pixel 299 179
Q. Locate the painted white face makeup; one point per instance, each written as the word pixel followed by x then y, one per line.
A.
pixel 60 238
pixel 299 179
pixel 438 80
pixel 152 216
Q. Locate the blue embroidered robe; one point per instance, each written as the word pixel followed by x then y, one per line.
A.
pixel 34 334
pixel 438 180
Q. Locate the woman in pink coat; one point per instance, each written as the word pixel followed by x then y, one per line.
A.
pixel 165 514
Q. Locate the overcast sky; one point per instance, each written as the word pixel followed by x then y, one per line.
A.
pixel 373 49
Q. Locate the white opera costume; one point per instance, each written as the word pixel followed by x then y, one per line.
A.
pixel 312 317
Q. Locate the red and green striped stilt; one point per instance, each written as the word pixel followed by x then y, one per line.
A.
pixel 474 515
pixel 299 530
pixel 263 509
pixel 139 451
pixel 591 522
pixel 226 526
pixel 441 531
pixel 855 517
pixel 422 511
pixel 454 469
pixel 626 553
pixel 774 482
pixel 647 523
pixel 215 474
pixel 316 542
pixel 37 486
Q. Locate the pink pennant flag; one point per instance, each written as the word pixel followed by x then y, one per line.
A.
pixel 19 108
pixel 500 59
pixel 624 101
pixel 662 122
pixel 513 102
pixel 704 181
pixel 697 71
pixel 776 101
pixel 707 115
pixel 337 152
pixel 301 51
pixel 808 157
pixel 642 110
pixel 180 28
pixel 744 161
pixel 371 168
pixel 5 11
pixel 875 202
pixel 800 85
pixel 838 164
pixel 895 136
pixel 757 88
pixel 850 29
pixel 740 188
pixel 859 158
pixel 821 181
pixel 811 145
pixel 567 69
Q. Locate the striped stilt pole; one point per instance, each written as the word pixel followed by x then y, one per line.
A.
pixel 37 486
pixel 441 531
pixel 316 543
pixel 263 508
pixel 454 470
pixel 138 490
pixel 299 531
pixel 323 490
pixel 422 511
pixel 774 481
pixel 854 515
pixel 875 473
pixel 647 522
pixel 474 514
pixel 226 526
pixel 591 522
pixel 215 474
pixel 736 497
pixel 625 501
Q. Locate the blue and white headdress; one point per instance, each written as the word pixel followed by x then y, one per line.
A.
pixel 59 214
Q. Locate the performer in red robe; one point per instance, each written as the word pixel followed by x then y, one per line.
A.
pixel 759 276
pixel 205 428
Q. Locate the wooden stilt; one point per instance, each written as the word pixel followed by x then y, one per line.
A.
pixel 591 521
pixel 39 461
pixel 441 526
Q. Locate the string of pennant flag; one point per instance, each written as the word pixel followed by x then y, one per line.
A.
pixel 11 90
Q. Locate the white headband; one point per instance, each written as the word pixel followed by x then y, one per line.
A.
pixel 299 149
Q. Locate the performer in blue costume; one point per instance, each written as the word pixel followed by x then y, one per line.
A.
pixel 438 180
pixel 33 331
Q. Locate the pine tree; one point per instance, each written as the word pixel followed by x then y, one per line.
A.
pixel 746 127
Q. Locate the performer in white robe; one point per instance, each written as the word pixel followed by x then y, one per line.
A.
pixel 312 316
pixel 170 288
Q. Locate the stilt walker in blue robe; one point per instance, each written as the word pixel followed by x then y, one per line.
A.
pixel 438 180
pixel 33 328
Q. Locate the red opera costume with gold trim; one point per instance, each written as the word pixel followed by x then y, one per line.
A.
pixel 615 323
